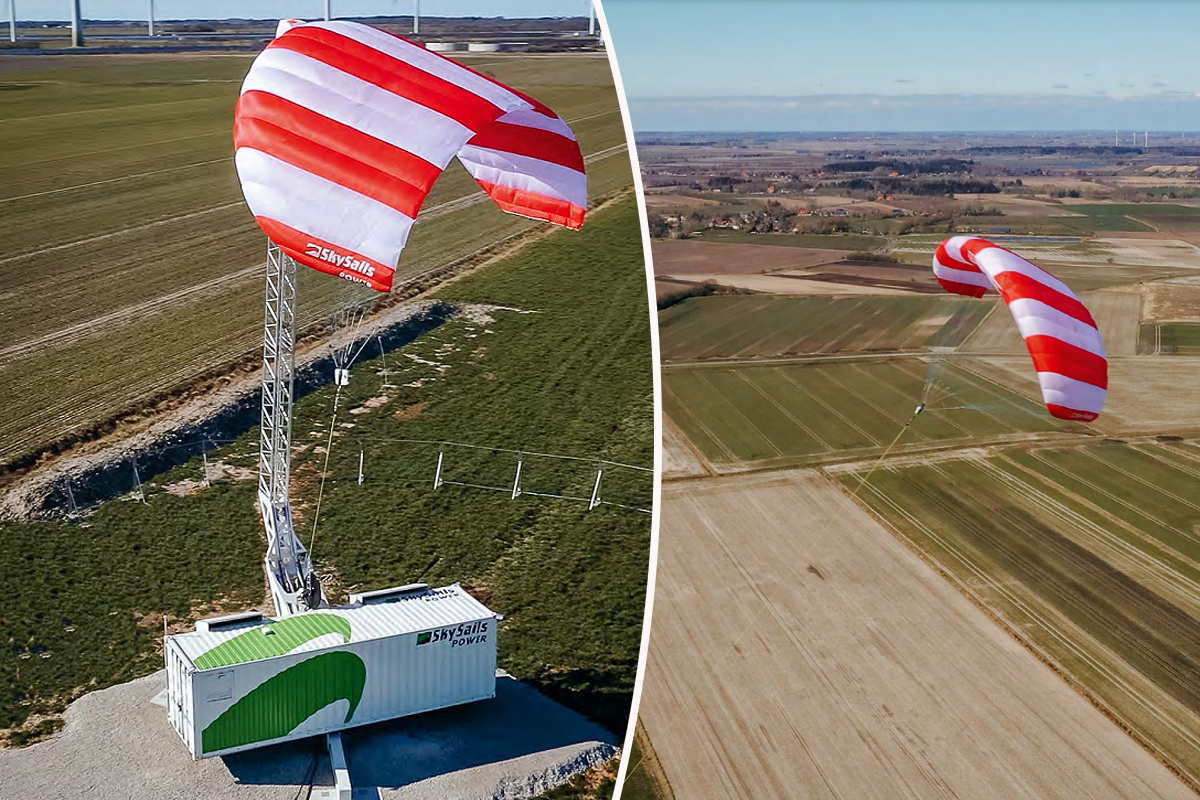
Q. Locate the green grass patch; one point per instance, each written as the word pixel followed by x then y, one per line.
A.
pixel 85 600
pixel 1125 216
pixel 1169 339
pixel 568 373
pixel 777 415
pixel 1180 339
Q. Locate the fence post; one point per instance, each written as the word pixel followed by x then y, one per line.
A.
pixel 596 490
pixel 516 490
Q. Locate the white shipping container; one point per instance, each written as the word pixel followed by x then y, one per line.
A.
pixel 252 682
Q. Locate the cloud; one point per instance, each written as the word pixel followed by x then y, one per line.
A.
pixel 1157 85
pixel 903 80
pixel 1060 86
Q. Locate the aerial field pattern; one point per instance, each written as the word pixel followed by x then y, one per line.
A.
pixel 1076 542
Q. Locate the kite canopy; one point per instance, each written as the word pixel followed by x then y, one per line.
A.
pixel 1060 333
pixel 342 129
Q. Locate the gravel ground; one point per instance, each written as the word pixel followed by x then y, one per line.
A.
pixel 117 744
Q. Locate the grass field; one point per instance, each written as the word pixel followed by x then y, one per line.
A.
pixel 1141 216
pixel 1090 552
pixel 778 415
pixel 130 265
pixel 573 376
pixel 1169 339
pixel 763 326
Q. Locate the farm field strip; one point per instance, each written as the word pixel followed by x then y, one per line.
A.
pixel 123 231
pixel 697 430
pixel 107 181
pixel 828 404
pixel 1174 496
pixel 732 327
pixel 89 326
pixel 1118 492
pixel 1155 559
pixel 797 421
pixel 736 408
pixel 871 378
pixel 140 147
pixel 158 104
pixel 812 412
pixel 1061 641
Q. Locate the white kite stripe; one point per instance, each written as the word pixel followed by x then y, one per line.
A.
pixel 1035 318
pixel 962 276
pixel 528 174
pixel 995 261
pixel 422 59
pixel 1060 390
pixel 954 245
pixel 322 208
pixel 341 97
pixel 528 118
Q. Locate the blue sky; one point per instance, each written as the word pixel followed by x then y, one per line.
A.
pixel 908 64
pixel 278 9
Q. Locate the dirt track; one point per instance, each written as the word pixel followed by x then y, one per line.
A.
pixel 800 650
pixel 774 284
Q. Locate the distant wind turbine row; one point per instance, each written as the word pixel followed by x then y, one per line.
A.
pixel 1145 139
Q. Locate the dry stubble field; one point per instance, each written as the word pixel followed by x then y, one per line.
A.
pixel 777 671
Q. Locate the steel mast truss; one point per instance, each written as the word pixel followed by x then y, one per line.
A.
pixel 294 585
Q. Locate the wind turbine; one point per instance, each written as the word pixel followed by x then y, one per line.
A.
pixel 76 25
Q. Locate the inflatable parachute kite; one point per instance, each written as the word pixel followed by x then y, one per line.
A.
pixel 1061 335
pixel 342 129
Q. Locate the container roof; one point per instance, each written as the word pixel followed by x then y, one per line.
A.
pixel 328 628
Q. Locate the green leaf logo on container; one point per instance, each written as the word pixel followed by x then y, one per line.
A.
pixel 278 705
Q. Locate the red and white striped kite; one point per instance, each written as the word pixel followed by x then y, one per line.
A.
pixel 1060 333
pixel 342 129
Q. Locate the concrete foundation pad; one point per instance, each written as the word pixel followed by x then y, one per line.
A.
pixel 117 744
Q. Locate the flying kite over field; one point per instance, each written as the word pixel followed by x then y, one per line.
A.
pixel 1060 333
pixel 342 129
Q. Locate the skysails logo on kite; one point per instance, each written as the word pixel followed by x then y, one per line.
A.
pixel 339 260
